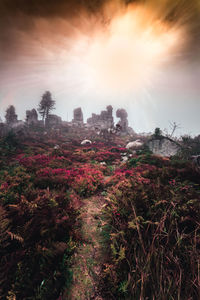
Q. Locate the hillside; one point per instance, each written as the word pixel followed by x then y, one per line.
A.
pixel 82 222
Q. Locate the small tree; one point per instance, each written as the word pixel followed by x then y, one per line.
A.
pixel 157 132
pixel 46 105
pixel 11 116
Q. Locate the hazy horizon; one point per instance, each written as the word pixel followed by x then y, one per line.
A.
pixel 144 58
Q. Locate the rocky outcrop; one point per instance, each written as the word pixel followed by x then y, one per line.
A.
pixel 196 162
pixel 31 117
pixel 53 121
pixel 123 123
pixel 99 124
pixel 78 116
pixel 102 121
pixel 163 146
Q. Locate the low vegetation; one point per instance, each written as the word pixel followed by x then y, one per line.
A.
pixel 150 224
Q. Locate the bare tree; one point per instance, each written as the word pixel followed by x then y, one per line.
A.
pixel 173 128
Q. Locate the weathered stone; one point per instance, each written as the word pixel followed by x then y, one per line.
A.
pixel 123 123
pixel 86 142
pixel 53 121
pixel 196 162
pixel 31 117
pixel 163 146
pixel 134 145
pixel 102 121
pixel 78 116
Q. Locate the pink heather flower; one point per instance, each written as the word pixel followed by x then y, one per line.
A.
pixel 4 186
pixel 172 182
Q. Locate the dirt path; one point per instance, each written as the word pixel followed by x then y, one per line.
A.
pixel 87 260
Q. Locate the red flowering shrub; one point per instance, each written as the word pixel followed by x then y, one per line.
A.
pixel 107 156
pixel 40 160
pixel 87 181
pixel 150 221
pixel 54 178
pixel 59 162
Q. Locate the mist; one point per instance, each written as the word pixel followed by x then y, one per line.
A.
pixel 142 57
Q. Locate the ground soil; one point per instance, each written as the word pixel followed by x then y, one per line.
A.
pixel 88 258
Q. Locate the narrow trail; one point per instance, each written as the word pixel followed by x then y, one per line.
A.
pixel 88 259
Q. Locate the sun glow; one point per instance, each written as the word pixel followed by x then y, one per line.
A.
pixel 121 51
pixel 131 51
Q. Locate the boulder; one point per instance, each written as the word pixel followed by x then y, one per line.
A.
pixel 86 142
pixel 134 145
pixel 163 146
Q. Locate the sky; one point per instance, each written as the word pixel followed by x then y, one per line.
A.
pixel 139 55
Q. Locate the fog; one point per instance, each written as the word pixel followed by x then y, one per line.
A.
pixel 129 56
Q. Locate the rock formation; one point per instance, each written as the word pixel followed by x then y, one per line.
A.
pixel 31 117
pixel 163 146
pixel 101 124
pixel 78 116
pixel 123 123
pixel 53 121
pixel 102 121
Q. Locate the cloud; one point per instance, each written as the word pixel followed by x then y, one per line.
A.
pixel 83 50
pixel 21 16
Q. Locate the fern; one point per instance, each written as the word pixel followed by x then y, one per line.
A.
pixel 4 227
pixel 15 236
pixel 4 243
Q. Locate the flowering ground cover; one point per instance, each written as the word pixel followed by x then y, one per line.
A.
pixel 57 205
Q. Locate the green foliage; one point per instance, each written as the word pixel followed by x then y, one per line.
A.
pixel 9 144
pixel 133 162
pixel 157 132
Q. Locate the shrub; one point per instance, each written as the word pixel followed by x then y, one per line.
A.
pixel 153 223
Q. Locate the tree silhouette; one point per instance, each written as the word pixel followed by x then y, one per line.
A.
pixel 11 116
pixel 46 105
pixel 157 132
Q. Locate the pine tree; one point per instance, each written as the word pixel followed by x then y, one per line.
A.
pixel 46 105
